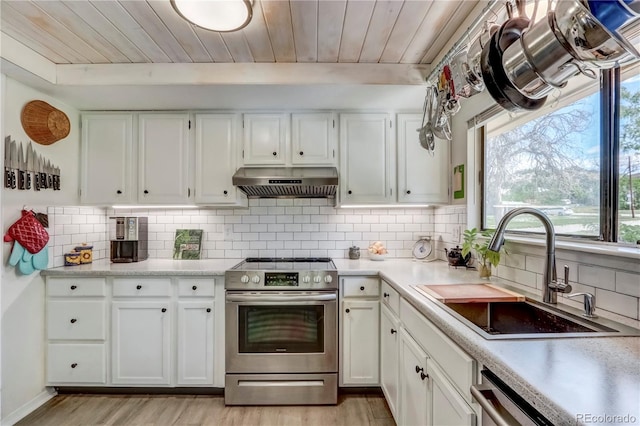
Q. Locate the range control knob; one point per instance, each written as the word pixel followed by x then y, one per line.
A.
pixel 244 279
pixel 306 279
pixel 317 279
pixel 328 279
pixel 255 279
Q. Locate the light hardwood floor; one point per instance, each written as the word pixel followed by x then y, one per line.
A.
pixel 85 410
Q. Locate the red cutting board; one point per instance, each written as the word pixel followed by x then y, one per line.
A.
pixel 470 293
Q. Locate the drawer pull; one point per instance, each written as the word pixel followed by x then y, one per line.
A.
pixel 73 320
pixel 164 309
pixel 393 331
pixel 385 295
pixel 74 365
pixel 73 287
pixel 347 310
pixel 361 288
pixel 424 376
pixel 208 309
pixel 138 287
pixel 195 287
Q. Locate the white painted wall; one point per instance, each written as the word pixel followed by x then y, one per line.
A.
pixel 22 297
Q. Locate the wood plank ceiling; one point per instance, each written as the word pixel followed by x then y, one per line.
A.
pixel 281 31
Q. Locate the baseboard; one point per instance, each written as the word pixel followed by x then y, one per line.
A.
pixel 28 408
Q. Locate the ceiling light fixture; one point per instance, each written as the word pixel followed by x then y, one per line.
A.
pixel 215 15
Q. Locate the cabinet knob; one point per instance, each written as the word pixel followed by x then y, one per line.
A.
pixel 418 369
pixel 145 191
pixel 225 192
pixel 195 287
pixel 164 309
pixel 347 310
pixel 118 192
pixel 138 287
pixel 74 365
pixel 393 331
pixel 275 153
pixel 349 192
pixel 73 287
pixel 73 320
pixel 301 153
pixel 361 288
pixel 385 294
pixel 208 309
pixel 408 192
pixel 423 376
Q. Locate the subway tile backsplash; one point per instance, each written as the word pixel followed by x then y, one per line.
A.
pixel 310 227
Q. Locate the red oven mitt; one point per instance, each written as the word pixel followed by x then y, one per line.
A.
pixel 29 232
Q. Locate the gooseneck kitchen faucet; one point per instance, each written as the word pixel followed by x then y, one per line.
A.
pixel 549 276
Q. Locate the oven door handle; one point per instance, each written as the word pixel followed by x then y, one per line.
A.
pixel 280 298
pixel 482 394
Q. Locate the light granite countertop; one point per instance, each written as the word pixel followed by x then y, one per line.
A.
pixel 569 380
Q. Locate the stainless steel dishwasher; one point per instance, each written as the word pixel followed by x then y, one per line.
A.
pixel 502 406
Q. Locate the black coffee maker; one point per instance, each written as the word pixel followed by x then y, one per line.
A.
pixel 129 239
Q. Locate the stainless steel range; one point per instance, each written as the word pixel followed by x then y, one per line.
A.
pixel 281 332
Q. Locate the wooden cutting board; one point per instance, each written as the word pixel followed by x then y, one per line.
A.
pixel 470 293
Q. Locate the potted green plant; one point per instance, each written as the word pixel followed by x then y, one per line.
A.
pixel 484 256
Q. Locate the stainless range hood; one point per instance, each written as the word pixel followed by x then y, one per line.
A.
pixel 287 182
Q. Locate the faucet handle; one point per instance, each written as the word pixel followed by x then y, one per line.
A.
pixel 560 287
pixel 589 304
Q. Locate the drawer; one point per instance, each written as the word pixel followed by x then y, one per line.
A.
pixel 390 297
pixel 132 287
pixel 76 363
pixel 69 287
pixel 458 366
pixel 360 287
pixel 203 287
pixel 76 320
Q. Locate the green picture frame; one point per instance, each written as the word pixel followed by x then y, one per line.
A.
pixel 458 182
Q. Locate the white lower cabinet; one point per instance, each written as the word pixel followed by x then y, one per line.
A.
pixel 445 404
pixel 195 343
pixel 359 331
pixel 413 384
pixel 135 331
pixel 389 358
pixel 140 337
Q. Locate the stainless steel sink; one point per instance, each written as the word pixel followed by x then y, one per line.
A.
pixel 531 319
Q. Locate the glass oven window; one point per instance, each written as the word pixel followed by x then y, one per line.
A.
pixel 281 329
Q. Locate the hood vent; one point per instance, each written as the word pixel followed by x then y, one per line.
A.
pixel 287 182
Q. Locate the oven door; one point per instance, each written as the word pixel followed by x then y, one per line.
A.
pixel 281 332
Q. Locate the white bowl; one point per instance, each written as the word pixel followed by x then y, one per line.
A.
pixel 375 256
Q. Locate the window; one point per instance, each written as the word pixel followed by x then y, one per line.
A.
pixel 553 160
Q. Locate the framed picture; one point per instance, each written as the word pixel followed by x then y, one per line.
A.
pixel 188 244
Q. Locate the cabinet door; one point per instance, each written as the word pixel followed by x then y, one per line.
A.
pixel 265 138
pixel 195 343
pixel 140 336
pixel 107 152
pixel 360 348
pixel 164 158
pixel 413 384
pixel 313 139
pixel 389 366
pixel 365 159
pixel 423 177
pixel 446 406
pixel 215 158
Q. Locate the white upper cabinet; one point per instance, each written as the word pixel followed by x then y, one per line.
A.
pixel 215 157
pixel 366 159
pixel 107 156
pixel 313 139
pixel 265 139
pixel 163 175
pixel 423 177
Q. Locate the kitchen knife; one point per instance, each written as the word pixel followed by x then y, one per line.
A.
pixel 56 178
pixel 29 165
pixel 41 174
pixel 7 162
pixel 36 171
pixel 22 166
pixel 13 163
pixel 49 172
